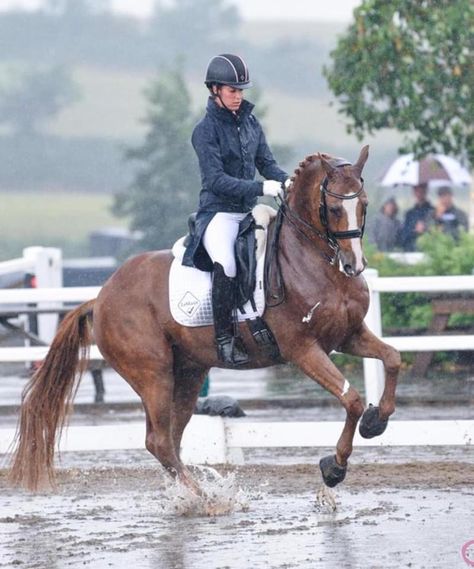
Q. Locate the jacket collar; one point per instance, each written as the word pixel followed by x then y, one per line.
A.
pixel 227 116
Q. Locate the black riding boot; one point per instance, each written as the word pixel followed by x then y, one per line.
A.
pixel 230 349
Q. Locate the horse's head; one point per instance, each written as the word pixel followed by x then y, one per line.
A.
pixel 330 196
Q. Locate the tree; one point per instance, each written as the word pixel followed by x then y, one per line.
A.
pixel 409 65
pixel 166 183
pixel 35 96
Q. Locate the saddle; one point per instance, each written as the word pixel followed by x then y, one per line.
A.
pixel 246 256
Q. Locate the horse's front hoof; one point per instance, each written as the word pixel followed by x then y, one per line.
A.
pixel 332 472
pixel 371 425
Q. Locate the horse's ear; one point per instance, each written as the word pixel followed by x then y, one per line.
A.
pixel 327 166
pixel 359 165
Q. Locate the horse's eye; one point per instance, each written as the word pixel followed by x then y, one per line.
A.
pixel 336 211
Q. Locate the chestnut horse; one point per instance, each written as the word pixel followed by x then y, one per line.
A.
pixel 316 259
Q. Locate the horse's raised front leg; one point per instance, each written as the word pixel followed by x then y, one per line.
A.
pixel 365 344
pixel 315 363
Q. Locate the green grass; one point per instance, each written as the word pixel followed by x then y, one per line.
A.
pixel 59 219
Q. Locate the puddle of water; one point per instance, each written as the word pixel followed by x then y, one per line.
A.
pixel 389 528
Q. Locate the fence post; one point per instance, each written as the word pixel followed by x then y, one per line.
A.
pixel 47 262
pixel 374 378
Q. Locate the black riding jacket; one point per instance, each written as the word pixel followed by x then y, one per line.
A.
pixel 230 148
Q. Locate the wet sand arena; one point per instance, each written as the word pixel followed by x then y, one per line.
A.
pixel 118 510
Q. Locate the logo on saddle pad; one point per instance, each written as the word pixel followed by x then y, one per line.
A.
pixel 189 304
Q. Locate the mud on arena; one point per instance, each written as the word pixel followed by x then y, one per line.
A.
pixel 399 508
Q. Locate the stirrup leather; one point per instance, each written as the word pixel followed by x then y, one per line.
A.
pixel 231 351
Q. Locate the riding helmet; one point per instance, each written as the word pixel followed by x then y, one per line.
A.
pixel 228 69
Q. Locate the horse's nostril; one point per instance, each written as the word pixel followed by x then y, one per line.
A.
pixel 348 269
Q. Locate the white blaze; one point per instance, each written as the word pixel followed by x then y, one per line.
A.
pixel 351 209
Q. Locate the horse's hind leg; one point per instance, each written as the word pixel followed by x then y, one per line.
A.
pixel 160 441
pixel 317 365
pixel 365 344
pixel 150 373
pixel 188 380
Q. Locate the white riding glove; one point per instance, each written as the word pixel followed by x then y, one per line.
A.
pixel 272 188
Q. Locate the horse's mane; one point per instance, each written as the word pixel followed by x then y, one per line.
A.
pixel 333 160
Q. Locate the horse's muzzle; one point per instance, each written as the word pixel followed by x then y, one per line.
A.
pixel 350 265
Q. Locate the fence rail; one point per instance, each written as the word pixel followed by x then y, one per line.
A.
pixel 55 296
pixel 213 440
pixel 373 369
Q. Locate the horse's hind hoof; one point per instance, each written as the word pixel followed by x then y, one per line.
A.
pixel 371 425
pixel 332 472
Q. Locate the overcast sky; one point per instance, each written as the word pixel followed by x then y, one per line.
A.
pixel 340 10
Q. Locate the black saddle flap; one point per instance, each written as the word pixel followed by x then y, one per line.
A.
pixel 245 257
pixel 191 229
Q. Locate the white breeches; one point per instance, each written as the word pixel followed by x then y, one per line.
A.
pixel 219 239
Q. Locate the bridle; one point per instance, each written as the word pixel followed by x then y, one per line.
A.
pixel 323 208
pixel 330 237
pixel 308 232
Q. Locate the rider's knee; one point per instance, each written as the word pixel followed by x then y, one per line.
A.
pixel 229 267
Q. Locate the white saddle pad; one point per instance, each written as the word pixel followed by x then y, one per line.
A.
pixel 190 289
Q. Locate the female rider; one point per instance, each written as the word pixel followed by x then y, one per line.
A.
pixel 230 145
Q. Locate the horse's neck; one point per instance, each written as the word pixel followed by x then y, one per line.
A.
pixel 311 254
pixel 299 260
pixel 306 196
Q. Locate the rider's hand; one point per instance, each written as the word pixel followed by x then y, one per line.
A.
pixel 272 188
pixel 287 183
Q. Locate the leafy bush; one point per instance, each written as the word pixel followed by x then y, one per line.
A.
pixel 444 256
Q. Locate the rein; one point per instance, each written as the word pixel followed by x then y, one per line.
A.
pixel 329 237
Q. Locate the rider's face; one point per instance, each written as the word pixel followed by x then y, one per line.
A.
pixel 231 97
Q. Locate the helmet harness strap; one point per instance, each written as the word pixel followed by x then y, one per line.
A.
pixel 218 96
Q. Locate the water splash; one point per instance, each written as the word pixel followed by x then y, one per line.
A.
pixel 221 496
pixel 325 500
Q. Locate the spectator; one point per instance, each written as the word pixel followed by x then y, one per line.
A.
pixel 447 216
pixel 386 227
pixel 418 219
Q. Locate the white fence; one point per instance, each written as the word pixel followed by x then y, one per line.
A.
pixel 45 263
pixel 373 369
pixel 214 440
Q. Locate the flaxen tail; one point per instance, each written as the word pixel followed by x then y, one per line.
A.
pixel 47 400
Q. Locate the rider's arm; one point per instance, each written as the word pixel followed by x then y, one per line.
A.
pixel 206 145
pixel 265 162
